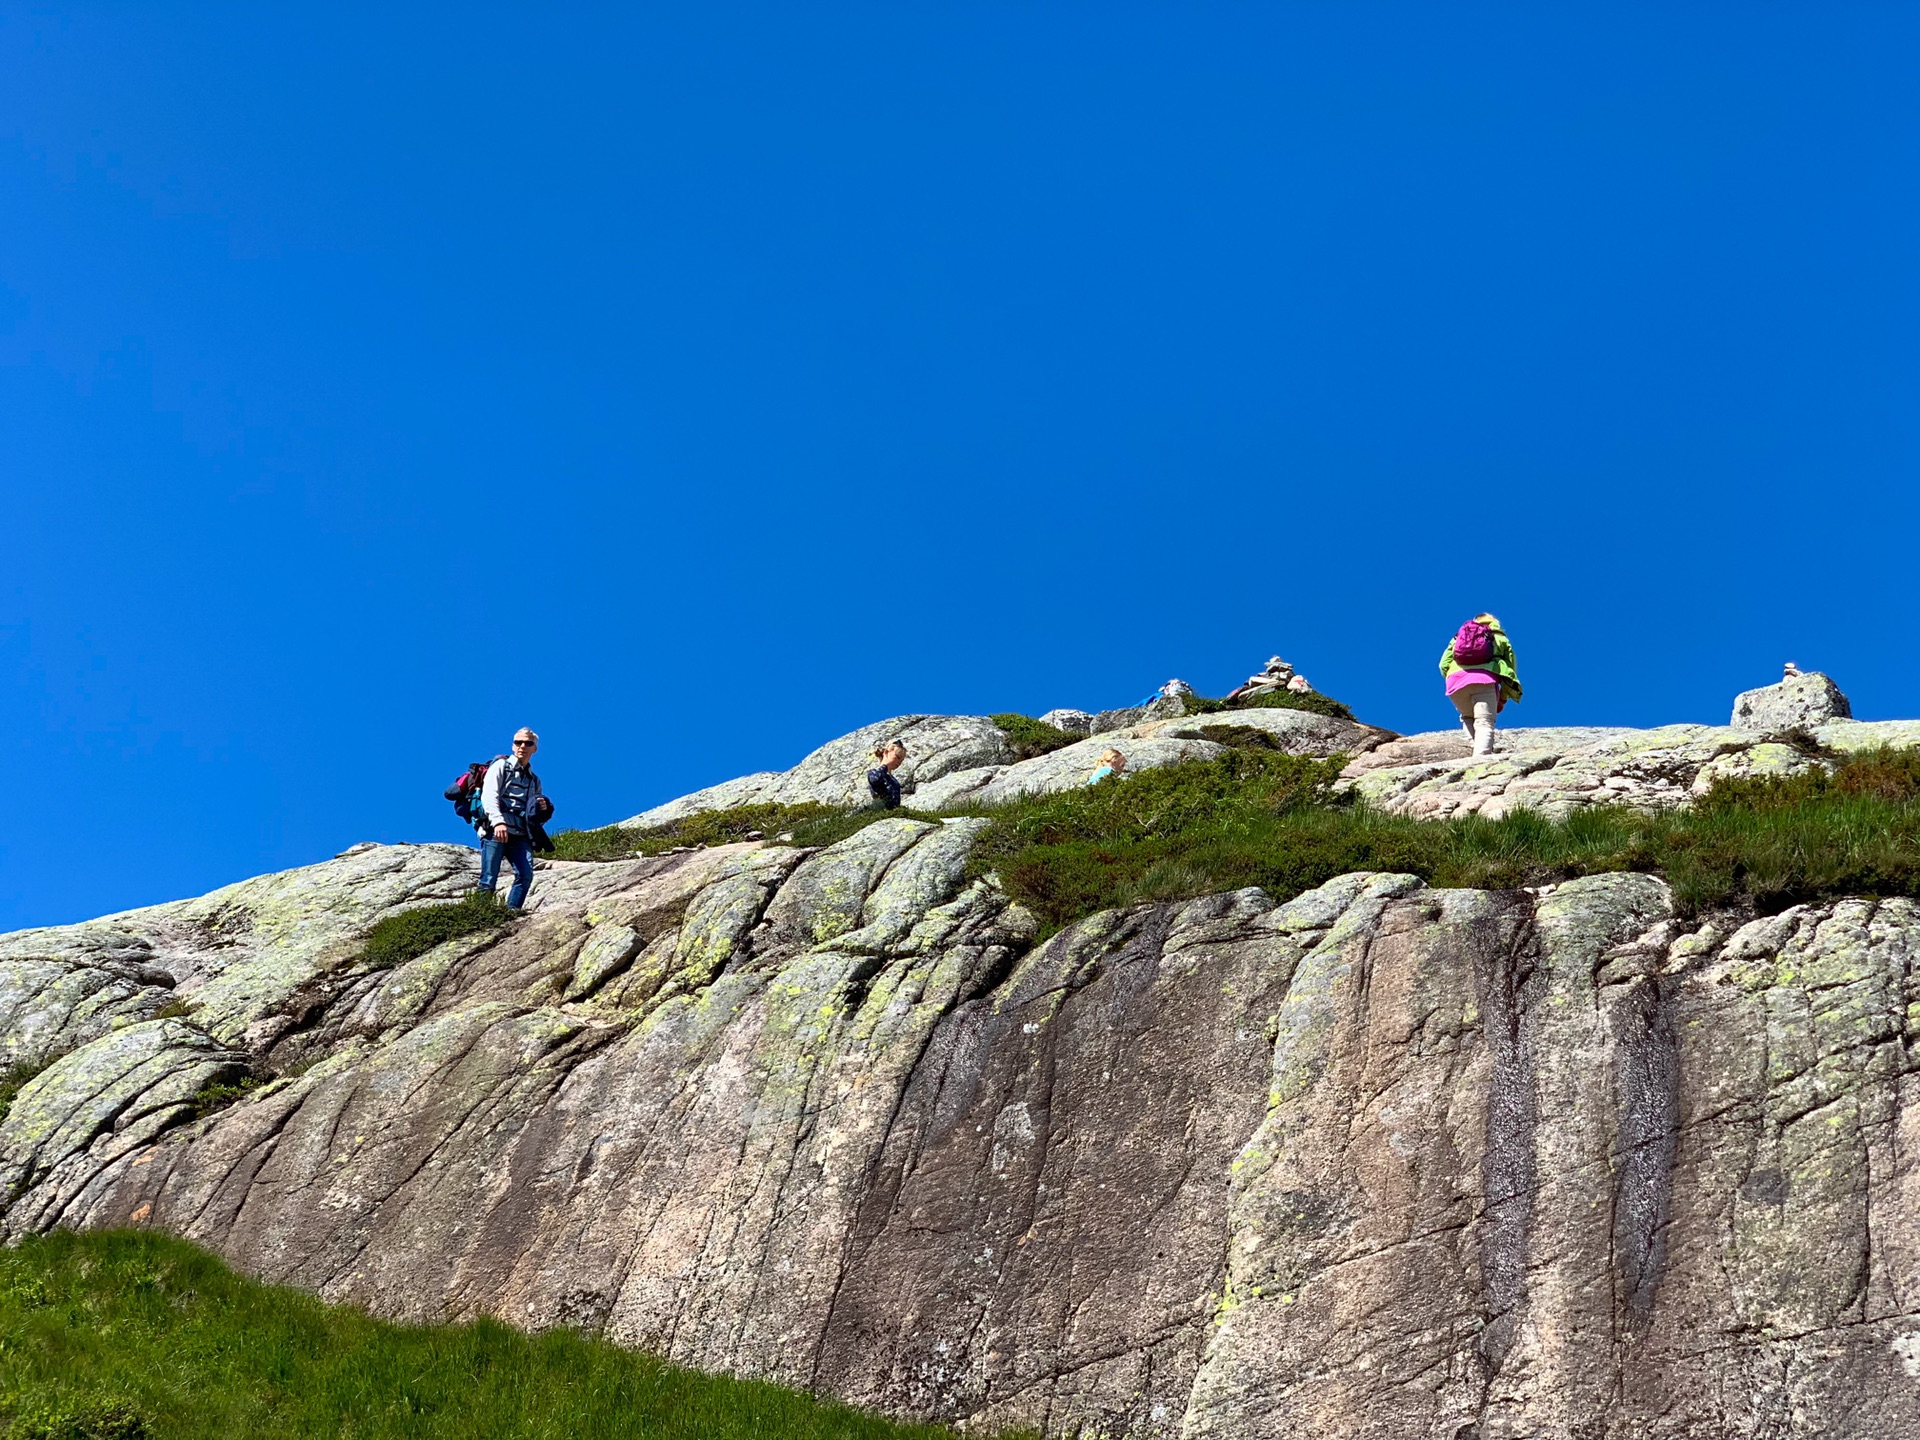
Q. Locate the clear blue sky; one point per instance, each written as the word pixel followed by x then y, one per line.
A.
pixel 698 384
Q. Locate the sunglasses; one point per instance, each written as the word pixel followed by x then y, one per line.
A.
pixel 518 743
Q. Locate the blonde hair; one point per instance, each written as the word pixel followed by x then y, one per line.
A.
pixel 1109 755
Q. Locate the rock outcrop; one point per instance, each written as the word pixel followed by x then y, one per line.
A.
pixel 1801 701
pixel 937 745
pixel 1381 1160
pixel 966 760
pixel 1556 771
pixel 1074 722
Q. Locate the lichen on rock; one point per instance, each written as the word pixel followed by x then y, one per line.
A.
pixel 1383 1159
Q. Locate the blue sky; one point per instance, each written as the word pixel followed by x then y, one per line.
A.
pixel 698 383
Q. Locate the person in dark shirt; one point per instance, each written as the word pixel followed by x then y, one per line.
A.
pixel 509 817
pixel 882 783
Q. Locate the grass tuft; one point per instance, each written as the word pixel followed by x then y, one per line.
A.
pixel 1312 700
pixel 13 1079
pixel 1258 816
pixel 1252 817
pixel 135 1336
pixel 1242 737
pixel 84 1419
pixel 217 1096
pixel 1030 737
pixel 397 939
pixel 808 825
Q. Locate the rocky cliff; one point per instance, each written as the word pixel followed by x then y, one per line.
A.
pixel 1378 1161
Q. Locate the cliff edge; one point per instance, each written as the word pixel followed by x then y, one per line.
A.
pixel 1380 1160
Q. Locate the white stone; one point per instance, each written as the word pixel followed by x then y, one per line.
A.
pixel 1799 701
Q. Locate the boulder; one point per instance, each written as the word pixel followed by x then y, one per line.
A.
pixel 1064 769
pixel 835 774
pixel 1299 732
pixel 1121 719
pixel 1798 702
pixel 1074 722
pixel 1554 772
pixel 1161 707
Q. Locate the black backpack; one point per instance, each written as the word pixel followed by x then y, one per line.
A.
pixel 465 792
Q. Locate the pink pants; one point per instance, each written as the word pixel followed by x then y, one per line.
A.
pixel 1478 705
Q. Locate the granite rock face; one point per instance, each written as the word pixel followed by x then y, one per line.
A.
pixel 1379 1161
pixel 1074 722
pixel 1800 701
pixel 243 953
pixel 1060 769
pixel 966 759
pixel 835 774
pixel 1557 771
pixel 1147 743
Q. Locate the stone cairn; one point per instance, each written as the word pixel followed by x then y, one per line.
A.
pixel 1278 675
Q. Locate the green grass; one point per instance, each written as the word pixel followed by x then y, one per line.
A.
pixel 1030 737
pixel 807 825
pixel 11 1080
pixel 1254 817
pixel 1312 700
pixel 217 1096
pixel 1257 816
pixel 134 1336
pixel 397 939
pixel 1242 737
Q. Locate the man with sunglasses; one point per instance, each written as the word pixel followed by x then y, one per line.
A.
pixel 512 809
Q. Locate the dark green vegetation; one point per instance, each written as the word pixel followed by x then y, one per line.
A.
pixel 1030 737
pixel 11 1079
pixel 791 824
pixel 133 1336
pixel 1253 817
pixel 218 1096
pixel 1278 700
pixel 1258 816
pixel 1170 833
pixel 400 938
pixel 1240 737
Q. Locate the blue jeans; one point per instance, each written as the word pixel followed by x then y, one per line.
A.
pixel 519 854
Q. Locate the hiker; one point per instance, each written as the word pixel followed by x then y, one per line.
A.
pixel 882 783
pixel 1112 762
pixel 512 811
pixel 1481 677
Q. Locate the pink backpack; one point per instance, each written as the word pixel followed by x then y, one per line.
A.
pixel 1472 644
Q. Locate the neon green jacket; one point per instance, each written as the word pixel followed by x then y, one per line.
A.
pixel 1504 665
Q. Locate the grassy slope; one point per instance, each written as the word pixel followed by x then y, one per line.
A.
pixel 127 1335
pixel 802 825
pixel 1259 817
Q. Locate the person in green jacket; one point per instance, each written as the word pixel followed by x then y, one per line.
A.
pixel 1481 677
